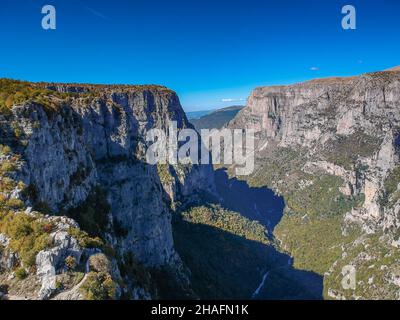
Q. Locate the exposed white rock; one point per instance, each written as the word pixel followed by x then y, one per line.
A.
pixel 315 113
pixel 4 240
pixel 101 142
pixel 48 261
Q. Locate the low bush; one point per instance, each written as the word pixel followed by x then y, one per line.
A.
pixel 391 193
pixel 322 198
pixel 7 166
pixel 14 204
pixel 5 150
pixel 99 286
pixel 27 235
pixel 14 92
pixel 84 239
pixel 21 273
pixel 100 263
pixel 346 150
pixel 70 263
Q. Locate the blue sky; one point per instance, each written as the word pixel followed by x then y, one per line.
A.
pixel 212 53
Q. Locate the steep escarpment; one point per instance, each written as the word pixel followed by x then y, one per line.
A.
pixel 79 151
pixel 330 147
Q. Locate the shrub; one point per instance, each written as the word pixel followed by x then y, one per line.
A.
pixel 13 92
pixel 164 174
pixel 5 149
pixel 26 234
pixel 59 285
pixel 84 239
pixel 390 194
pixel 14 203
pixel 100 263
pixel 7 184
pixel 18 132
pixel 99 286
pixel 70 262
pixel 21 273
pixel 7 166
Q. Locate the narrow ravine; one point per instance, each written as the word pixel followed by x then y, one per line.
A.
pixel 263 205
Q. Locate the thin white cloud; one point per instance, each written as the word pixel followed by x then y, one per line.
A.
pixel 232 100
pixel 314 68
pixel 96 13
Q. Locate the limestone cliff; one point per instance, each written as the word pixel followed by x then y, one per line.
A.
pixel 79 139
pixel 330 146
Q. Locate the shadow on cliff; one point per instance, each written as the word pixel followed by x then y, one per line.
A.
pixel 283 281
pixel 222 264
pixel 226 266
pixel 260 204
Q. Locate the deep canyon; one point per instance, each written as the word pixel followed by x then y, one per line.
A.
pixel 83 216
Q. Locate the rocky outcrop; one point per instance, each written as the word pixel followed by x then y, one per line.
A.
pixel 309 135
pixel 319 114
pixel 7 258
pixel 95 138
pixel 50 261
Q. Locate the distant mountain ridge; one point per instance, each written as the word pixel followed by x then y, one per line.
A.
pixel 216 119
pixel 197 114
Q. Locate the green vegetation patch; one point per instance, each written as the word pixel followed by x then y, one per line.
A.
pixel 228 221
pixel 99 286
pixel 322 198
pixel 375 262
pixel 28 235
pixel 310 242
pixel 221 248
pixel 391 194
pixel 84 239
pixel 280 170
pixel 346 150
pixel 5 150
pixel 21 273
pixel 311 228
pixel 165 174
pixel 13 92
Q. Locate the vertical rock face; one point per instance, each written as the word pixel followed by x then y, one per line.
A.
pixel 317 115
pixel 305 113
pixel 97 138
pixel 330 146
